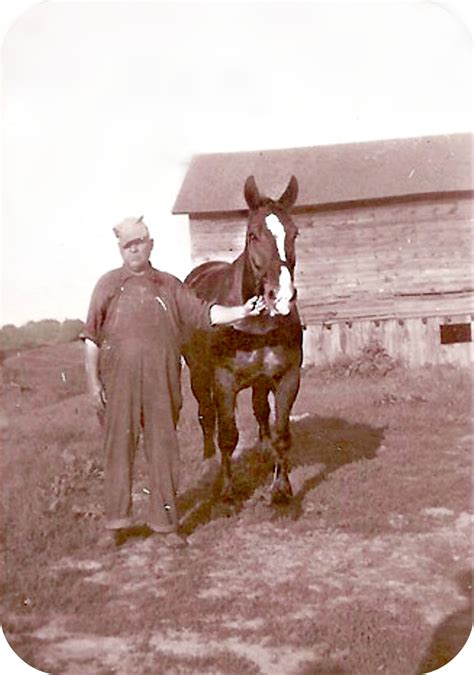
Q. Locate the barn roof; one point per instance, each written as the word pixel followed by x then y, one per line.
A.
pixel 331 173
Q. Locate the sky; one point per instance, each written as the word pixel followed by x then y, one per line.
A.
pixel 104 104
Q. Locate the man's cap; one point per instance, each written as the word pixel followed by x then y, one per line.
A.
pixel 130 229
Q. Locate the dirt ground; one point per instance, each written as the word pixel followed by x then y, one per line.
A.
pixel 367 571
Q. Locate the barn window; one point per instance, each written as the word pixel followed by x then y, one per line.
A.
pixel 452 333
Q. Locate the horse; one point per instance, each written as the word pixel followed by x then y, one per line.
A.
pixel 263 352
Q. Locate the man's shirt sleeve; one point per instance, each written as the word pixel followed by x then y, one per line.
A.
pixel 194 312
pixel 100 300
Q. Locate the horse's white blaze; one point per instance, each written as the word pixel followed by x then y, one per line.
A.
pixel 285 285
pixel 276 228
pixel 285 291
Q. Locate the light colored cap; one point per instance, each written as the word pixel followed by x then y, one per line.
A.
pixel 130 229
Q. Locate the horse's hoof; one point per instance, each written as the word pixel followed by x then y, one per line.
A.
pixel 227 494
pixel 209 451
pixel 281 492
pixel 265 448
pixel 210 470
pixel 238 454
pixel 280 498
pixel 227 497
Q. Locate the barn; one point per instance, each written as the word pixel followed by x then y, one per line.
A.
pixel 384 254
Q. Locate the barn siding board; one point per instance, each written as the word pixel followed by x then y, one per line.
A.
pixel 413 342
pixel 436 207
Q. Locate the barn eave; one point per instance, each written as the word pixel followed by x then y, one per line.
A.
pixel 335 205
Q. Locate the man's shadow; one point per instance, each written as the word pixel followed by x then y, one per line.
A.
pixel 321 445
pixel 452 634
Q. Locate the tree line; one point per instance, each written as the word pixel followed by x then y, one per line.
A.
pixel 37 333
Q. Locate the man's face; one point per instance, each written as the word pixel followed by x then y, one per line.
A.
pixel 136 254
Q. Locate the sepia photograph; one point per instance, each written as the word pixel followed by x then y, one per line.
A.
pixel 236 338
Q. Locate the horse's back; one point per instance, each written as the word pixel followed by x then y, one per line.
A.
pixel 206 279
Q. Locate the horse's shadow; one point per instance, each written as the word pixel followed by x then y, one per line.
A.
pixel 320 445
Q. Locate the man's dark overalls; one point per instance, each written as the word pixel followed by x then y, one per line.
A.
pixel 142 321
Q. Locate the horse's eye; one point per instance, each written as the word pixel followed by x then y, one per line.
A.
pixel 252 236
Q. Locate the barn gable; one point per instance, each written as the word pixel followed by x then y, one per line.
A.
pixel 385 246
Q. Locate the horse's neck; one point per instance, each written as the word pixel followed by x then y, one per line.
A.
pixel 236 292
pixel 248 282
pixel 244 282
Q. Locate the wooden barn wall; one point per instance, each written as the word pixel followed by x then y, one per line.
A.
pixel 218 237
pixel 380 268
pixel 413 342
pixel 407 259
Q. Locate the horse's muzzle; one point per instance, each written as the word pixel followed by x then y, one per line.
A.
pixel 279 299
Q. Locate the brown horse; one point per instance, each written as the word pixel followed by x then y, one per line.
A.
pixel 263 352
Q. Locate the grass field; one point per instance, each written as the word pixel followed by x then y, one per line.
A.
pixel 367 571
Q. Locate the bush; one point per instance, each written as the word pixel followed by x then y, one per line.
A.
pixel 373 360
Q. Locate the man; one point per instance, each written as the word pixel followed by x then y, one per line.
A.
pixel 137 321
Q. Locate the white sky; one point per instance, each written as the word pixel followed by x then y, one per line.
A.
pixel 104 105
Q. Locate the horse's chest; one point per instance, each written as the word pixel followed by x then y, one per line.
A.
pixel 268 362
pixel 272 361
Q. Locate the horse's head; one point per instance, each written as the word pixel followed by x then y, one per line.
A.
pixel 270 247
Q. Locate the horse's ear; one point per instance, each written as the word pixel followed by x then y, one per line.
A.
pixel 251 193
pixel 288 198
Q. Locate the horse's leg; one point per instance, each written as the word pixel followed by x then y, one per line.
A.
pixel 261 410
pixel 201 385
pixel 228 435
pixel 285 395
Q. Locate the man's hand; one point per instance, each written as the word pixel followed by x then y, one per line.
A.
pixel 254 306
pixel 97 395
pixel 94 384
pixel 220 314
